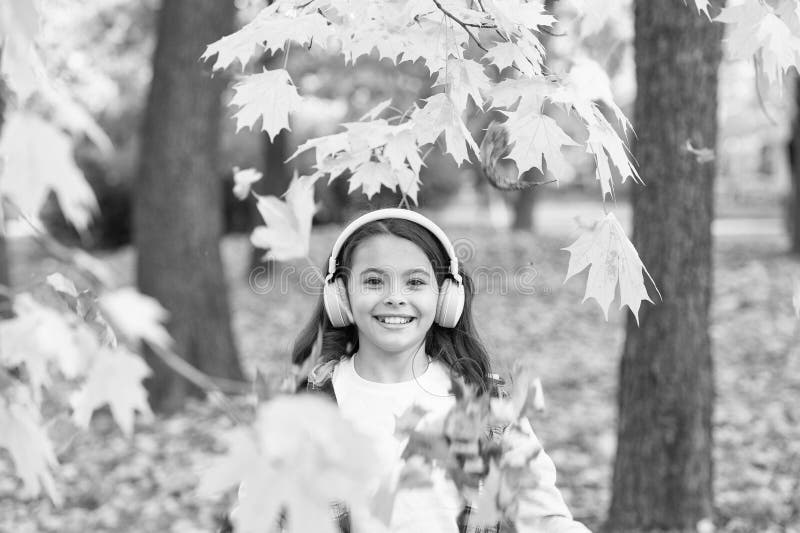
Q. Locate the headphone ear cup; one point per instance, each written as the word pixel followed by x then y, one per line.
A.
pixel 337 308
pixel 450 304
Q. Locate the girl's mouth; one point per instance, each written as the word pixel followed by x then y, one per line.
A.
pixel 387 320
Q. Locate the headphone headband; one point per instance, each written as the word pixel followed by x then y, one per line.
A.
pixel 394 212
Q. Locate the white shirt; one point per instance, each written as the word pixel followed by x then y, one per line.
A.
pixel 374 407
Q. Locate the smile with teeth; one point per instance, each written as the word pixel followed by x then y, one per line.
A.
pixel 394 319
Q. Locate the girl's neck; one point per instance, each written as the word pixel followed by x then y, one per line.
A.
pixel 390 368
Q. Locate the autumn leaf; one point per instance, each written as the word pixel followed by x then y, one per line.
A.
pixel 370 176
pixel 757 29
pixel 39 159
pixel 515 16
pixel 612 260
pixel 401 149
pixel 243 179
pixel 537 141
pixel 20 63
pixel 429 41
pixel 287 232
pixel 115 379
pixel 269 30
pixel 439 116
pixel 270 96
pixel 136 316
pixel 528 59
pixel 608 149
pixel 702 7
pixel 313 447
pixel 463 78
pixel 30 450
pixel 373 113
pixel 41 339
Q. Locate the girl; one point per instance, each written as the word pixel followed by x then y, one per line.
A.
pixel 392 326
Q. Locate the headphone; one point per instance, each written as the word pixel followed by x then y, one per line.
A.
pixel 451 294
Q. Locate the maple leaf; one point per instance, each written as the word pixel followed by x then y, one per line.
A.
pixel 604 144
pixel 433 42
pixel 287 233
pixel 757 29
pixel 243 180
pixel 136 316
pixel 38 337
pixel 20 63
pixel 537 141
pixel 515 16
pixel 611 259
pixel 401 148
pixel 463 78
pixel 528 59
pixel 530 93
pixel 39 159
pixel 313 447
pixel 270 30
pixel 441 115
pixel 325 146
pixel 270 96
pixel 373 113
pixel 115 379
pixel 30 450
pixel 702 6
pixel 370 176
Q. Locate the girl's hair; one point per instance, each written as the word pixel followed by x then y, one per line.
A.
pixel 459 347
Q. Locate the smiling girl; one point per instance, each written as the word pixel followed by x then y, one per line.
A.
pixel 393 325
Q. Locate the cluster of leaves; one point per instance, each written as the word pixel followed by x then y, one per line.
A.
pixel 67 358
pixel 457 41
pixel 483 445
pixel 767 31
pixel 75 353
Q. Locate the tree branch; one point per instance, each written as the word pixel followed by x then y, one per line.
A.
pixel 460 23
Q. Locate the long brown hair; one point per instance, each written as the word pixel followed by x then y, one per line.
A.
pixel 460 348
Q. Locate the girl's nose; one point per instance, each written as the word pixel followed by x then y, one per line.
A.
pixel 395 296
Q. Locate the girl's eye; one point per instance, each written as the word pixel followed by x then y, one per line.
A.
pixel 416 282
pixel 373 281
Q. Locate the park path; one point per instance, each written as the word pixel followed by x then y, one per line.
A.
pixel 564 217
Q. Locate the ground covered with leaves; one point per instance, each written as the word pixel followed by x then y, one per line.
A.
pixel 147 483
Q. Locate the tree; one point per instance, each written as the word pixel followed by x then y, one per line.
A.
pixel 663 466
pixel 793 149
pixel 5 281
pixel 177 204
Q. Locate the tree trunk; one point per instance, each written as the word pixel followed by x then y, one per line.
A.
pixel 177 204
pixel 523 209
pixel 6 303
pixel 663 467
pixel 793 211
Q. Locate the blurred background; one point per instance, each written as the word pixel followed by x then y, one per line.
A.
pixel 101 54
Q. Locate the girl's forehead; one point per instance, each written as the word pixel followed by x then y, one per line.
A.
pixel 382 251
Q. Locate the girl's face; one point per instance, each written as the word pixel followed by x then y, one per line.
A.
pixel 393 294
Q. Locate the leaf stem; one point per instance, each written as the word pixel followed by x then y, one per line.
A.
pixel 460 23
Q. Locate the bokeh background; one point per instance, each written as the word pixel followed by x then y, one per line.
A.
pixel 101 54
